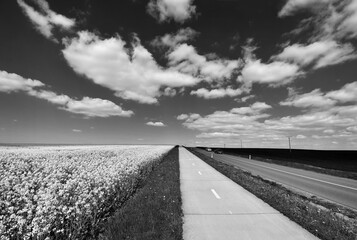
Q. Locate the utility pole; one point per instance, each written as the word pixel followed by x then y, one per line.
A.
pixel 289 144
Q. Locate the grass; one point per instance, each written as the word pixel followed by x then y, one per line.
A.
pixel 290 163
pixel 323 219
pixel 154 211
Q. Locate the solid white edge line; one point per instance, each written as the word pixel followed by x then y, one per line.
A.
pixel 318 180
pixel 215 194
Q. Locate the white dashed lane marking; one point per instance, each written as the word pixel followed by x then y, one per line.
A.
pixel 215 194
pixel 199 172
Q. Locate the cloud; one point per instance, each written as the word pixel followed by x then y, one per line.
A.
pixel 241 119
pixel 165 10
pixel 173 39
pixel 259 129
pixel 348 93
pixel 170 92
pixel 50 96
pixel 11 82
pixel 182 117
pixel 260 106
pixel 96 107
pixel 300 136
pixel 185 58
pixel 352 129
pixel 217 135
pixel 320 54
pixel 349 22
pixel 107 62
pixel 256 127
pixel 254 109
pixel 312 99
pixel 76 130
pixel 293 6
pixel 274 73
pixel 317 99
pixel 47 20
pixel 89 107
pixel 188 117
pixel 156 124
pixel 216 93
pixel 244 99
pixel 313 120
pixel 331 19
pixel 329 131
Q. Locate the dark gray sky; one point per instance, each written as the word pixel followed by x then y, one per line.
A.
pixel 192 72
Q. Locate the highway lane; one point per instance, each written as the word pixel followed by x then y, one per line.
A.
pixel 336 189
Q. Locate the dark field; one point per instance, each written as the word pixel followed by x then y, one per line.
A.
pixel 330 159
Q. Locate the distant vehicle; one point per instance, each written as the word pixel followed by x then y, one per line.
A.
pixel 209 150
pixel 218 151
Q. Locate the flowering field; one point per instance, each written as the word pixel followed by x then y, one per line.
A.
pixel 66 192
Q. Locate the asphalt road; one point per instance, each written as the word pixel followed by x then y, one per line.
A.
pixel 215 207
pixel 340 190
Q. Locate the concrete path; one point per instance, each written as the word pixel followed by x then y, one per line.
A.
pixel 217 208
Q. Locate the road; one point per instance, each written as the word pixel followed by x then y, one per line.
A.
pixel 336 189
pixel 215 207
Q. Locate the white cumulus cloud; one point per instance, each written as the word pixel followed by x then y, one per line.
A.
pixel 314 98
pixel 333 19
pixel 165 10
pixel 185 58
pixel 274 73
pixel 11 82
pixel 320 54
pixel 107 62
pixel 216 93
pixel 318 99
pixel 348 93
pixel 46 20
pixel 89 107
pixel 156 124
pixel 293 6
pixel 173 39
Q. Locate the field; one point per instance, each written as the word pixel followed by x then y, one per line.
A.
pixel 68 192
pixel 155 210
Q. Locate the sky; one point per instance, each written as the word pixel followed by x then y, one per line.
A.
pixel 232 73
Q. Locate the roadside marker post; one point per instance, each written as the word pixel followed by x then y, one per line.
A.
pixel 211 154
pixel 250 157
